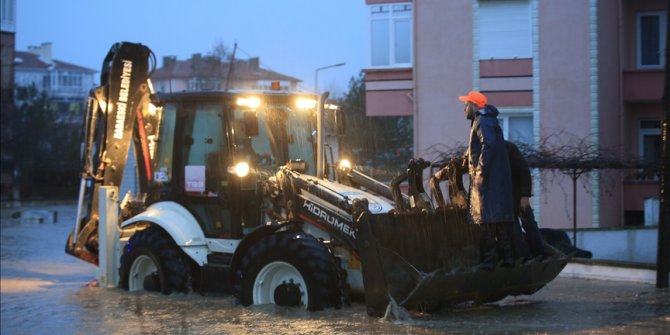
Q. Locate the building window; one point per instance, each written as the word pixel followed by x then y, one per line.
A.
pixel 517 128
pixel 46 82
pixel 69 80
pixel 391 34
pixel 204 84
pixel 650 140
pixel 651 31
pixel 8 15
pixel 505 29
pixel 649 147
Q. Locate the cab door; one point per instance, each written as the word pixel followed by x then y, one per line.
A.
pixel 204 155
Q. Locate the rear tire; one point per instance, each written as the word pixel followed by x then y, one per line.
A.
pixel 290 269
pixel 151 261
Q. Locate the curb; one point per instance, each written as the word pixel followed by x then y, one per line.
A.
pixel 638 273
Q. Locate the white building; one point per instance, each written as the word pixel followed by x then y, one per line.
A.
pixel 63 82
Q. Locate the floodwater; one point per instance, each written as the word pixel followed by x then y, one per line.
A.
pixel 43 290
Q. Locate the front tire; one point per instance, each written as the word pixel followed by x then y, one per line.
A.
pixel 151 261
pixel 290 269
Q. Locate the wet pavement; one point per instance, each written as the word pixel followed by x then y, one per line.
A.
pixel 43 290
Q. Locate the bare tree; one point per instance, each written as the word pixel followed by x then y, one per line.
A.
pixel 220 51
pixel 560 152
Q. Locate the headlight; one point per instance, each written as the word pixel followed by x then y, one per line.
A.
pixel 103 105
pixel 305 103
pixel 250 102
pixel 152 109
pixel 345 165
pixel 240 169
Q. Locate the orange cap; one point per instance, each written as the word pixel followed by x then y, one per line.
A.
pixel 475 97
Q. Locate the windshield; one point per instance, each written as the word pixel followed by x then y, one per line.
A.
pixel 284 134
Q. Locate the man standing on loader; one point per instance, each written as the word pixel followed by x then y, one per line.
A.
pixel 522 184
pixel 491 205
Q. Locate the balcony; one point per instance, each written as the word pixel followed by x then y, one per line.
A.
pixel 643 85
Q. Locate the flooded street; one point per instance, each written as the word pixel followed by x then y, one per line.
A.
pixel 43 291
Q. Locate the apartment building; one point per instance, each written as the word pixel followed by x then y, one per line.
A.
pixel 557 70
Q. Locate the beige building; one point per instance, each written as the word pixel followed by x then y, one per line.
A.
pixel 585 69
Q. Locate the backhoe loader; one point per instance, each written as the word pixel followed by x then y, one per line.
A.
pixel 236 196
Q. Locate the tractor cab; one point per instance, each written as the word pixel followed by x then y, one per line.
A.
pixel 213 151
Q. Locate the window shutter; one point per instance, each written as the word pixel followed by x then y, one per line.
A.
pixel 504 29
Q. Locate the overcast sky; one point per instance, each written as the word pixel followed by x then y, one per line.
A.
pixel 293 37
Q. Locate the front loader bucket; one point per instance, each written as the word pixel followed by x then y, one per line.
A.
pixel 432 258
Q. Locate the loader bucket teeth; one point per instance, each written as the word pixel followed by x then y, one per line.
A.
pixel 433 258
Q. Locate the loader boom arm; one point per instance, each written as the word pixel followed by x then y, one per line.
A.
pixel 112 110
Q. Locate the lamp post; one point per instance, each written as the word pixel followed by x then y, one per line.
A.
pixel 316 74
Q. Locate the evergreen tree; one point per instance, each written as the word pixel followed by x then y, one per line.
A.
pixel 379 145
pixel 45 144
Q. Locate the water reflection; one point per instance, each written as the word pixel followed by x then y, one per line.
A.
pixel 44 291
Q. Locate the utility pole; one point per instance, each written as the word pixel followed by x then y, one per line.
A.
pixel 663 255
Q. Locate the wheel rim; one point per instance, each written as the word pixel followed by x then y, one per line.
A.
pixel 277 276
pixel 142 267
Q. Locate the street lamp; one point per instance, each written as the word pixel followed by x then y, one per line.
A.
pixel 316 74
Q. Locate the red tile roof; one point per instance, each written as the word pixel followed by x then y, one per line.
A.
pixel 207 67
pixel 28 60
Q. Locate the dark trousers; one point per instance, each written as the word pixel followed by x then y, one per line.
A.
pixel 496 243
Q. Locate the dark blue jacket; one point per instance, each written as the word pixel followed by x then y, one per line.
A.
pixel 491 197
pixel 521 179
